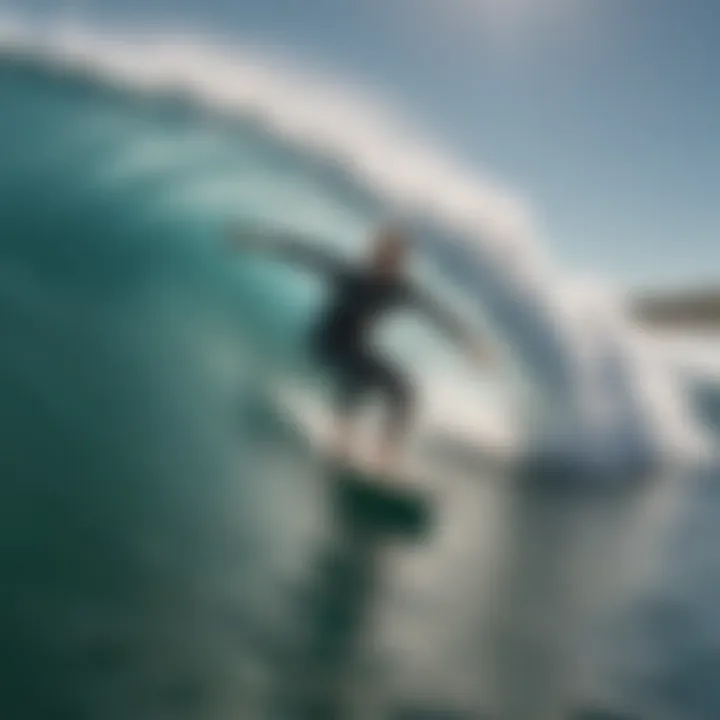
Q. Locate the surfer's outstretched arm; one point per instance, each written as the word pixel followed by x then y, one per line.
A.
pixel 288 247
pixel 455 330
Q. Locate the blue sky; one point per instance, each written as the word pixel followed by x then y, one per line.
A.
pixel 604 114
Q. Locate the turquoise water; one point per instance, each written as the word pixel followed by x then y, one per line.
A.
pixel 168 539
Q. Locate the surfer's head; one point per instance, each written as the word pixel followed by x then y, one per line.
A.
pixel 389 250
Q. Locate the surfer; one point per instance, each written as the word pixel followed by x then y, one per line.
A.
pixel 340 337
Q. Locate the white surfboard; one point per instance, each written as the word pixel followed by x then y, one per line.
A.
pixel 399 501
pixel 315 422
pixel 425 465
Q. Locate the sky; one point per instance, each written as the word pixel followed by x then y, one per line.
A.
pixel 604 115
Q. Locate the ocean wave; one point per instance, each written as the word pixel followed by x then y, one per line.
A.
pixel 193 137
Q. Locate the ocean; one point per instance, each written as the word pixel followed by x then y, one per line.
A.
pixel 172 546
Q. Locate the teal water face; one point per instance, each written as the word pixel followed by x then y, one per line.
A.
pixel 138 553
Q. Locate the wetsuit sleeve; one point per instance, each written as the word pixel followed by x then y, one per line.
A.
pixel 288 247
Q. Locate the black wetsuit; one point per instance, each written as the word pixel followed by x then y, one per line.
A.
pixel 341 340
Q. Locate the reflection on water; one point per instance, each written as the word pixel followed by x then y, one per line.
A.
pixel 504 610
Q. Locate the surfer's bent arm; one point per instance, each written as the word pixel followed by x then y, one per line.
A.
pixel 288 247
pixel 450 325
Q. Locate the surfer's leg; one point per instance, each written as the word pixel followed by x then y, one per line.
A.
pixel 333 363
pixel 400 397
pixel 348 390
pixel 358 373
